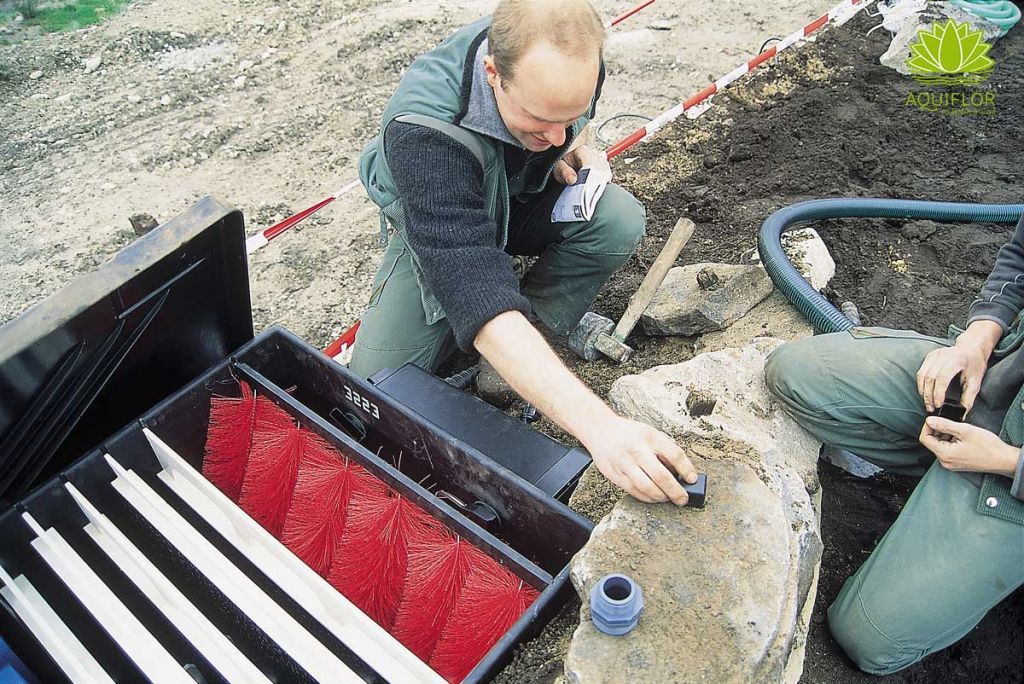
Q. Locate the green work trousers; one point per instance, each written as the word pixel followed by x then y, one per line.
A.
pixel 575 260
pixel 942 565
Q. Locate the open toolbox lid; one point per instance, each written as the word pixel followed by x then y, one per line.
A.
pixel 103 350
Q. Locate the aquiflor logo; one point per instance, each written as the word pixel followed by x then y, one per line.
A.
pixel 948 56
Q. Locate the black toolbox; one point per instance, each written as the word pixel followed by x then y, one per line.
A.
pixel 138 348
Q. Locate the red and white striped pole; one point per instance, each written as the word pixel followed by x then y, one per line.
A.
pixel 626 15
pixel 840 13
pixel 263 238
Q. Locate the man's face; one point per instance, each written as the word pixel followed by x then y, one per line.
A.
pixel 549 92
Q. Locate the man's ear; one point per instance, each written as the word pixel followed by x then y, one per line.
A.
pixel 491 70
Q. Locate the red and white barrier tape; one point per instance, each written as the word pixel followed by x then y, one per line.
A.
pixel 841 13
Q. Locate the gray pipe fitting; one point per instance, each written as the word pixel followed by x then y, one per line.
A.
pixel 616 602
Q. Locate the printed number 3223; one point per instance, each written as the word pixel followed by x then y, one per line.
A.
pixel 361 402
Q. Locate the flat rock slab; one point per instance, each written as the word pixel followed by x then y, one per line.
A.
pixel 714 583
pixel 681 306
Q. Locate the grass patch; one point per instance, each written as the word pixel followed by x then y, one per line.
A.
pixel 68 16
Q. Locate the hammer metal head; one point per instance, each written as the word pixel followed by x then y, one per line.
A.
pixel 583 338
pixel 613 348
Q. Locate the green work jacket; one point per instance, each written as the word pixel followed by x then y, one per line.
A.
pixel 434 93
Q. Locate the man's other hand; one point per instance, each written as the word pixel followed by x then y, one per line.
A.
pixel 640 460
pixel 582 156
pixel 968 448
pixel 968 359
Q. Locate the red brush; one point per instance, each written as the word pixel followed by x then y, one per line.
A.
pixel 278 447
pixel 228 440
pixel 373 554
pixel 316 520
pixel 490 603
pixel 437 573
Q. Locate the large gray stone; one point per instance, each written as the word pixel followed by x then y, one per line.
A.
pixel 745 439
pixel 715 583
pixel 682 307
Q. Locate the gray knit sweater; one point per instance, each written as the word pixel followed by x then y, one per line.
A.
pixel 1002 297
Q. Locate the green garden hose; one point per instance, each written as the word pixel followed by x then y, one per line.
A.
pixel 817 309
pixel 1002 13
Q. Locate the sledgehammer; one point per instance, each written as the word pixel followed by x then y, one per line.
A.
pixel 594 333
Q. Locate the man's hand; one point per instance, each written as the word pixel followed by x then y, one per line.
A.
pixel 968 359
pixel 632 455
pixel 578 158
pixel 639 459
pixel 967 448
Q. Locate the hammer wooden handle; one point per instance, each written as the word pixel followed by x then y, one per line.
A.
pixel 642 297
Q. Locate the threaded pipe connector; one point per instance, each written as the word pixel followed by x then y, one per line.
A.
pixel 616 602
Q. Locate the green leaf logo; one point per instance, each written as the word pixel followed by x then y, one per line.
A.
pixel 950 53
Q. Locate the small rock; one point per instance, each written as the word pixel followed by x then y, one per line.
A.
pixel 693 192
pixel 35 75
pixel 700 403
pixel 66 97
pixel 740 154
pixel 681 307
pixel 492 388
pixel 660 26
pixel 246 64
pixel 133 98
pixel 165 100
pixel 707 279
pixel 93 63
pixel 918 231
pixel 40 96
pixel 142 223
pixel 239 83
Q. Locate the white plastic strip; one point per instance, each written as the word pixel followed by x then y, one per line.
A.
pixel 351 185
pixel 732 76
pixel 141 647
pixel 186 618
pixel 789 40
pixel 368 640
pixel 60 642
pixel 255 242
pixel 270 617
pixel 665 117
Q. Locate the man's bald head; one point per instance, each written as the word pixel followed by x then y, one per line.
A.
pixel 570 26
